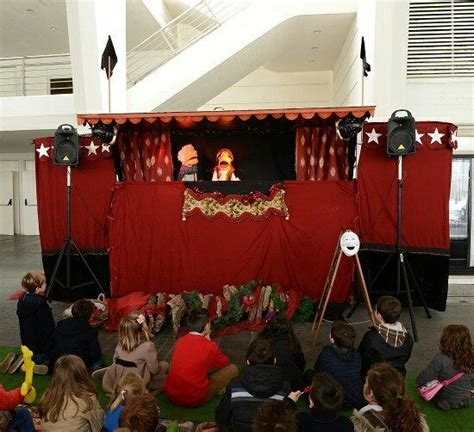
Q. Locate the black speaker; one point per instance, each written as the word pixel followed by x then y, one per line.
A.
pixel 401 136
pixel 66 146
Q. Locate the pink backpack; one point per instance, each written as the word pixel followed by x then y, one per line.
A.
pixel 429 390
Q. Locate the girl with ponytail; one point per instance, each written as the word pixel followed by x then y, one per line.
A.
pixel 135 353
pixel 389 408
pixel 124 389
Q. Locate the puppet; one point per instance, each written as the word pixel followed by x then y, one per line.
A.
pixel 155 312
pixel 224 169
pixel 189 163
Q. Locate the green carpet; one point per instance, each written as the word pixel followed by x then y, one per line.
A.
pixel 439 421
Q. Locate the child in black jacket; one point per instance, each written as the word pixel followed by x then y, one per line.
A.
pixel 76 336
pixel 389 341
pixel 260 381
pixel 35 317
pixel 325 400
pixel 289 356
pixel 342 361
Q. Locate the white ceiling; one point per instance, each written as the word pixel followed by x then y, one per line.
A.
pixel 331 33
pixel 36 27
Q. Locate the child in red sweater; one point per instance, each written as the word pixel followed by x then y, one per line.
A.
pixel 189 382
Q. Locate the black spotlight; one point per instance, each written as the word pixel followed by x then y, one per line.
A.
pixel 66 146
pixel 349 127
pixel 401 137
pixel 106 133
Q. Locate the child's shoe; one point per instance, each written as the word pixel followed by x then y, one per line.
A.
pixel 16 364
pixel 7 362
pixel 40 369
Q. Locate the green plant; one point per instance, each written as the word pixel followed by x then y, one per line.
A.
pixel 192 300
pixel 305 311
pixel 278 303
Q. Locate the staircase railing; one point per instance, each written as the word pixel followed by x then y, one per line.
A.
pixel 184 30
pixel 35 75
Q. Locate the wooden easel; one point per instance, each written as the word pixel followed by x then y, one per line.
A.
pixel 322 305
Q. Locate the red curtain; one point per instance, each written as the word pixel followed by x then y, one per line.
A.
pixel 92 184
pixel 153 250
pixel 426 189
pixel 320 154
pixel 145 154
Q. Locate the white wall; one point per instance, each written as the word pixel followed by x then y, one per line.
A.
pixel 347 71
pixel 36 112
pixel 264 88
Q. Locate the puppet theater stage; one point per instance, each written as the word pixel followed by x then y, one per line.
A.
pixel 127 208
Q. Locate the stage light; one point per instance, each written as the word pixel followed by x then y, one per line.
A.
pixel 349 126
pixel 106 133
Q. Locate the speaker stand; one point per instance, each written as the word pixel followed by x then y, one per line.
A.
pixel 402 263
pixel 66 251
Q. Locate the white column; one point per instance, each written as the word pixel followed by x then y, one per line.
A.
pixel 90 22
pixel 391 45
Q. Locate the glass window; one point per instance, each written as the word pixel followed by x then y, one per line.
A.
pixel 459 199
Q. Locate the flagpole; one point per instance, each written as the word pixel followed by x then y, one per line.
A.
pixel 363 82
pixel 108 79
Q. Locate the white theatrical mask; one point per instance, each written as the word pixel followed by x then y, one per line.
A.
pixel 350 243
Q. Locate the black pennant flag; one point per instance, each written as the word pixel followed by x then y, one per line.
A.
pixel 109 52
pixel 366 65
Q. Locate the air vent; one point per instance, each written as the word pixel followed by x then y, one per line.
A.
pixel 441 39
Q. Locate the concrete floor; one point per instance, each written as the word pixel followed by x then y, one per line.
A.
pixel 20 254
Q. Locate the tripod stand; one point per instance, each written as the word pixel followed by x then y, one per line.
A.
pixel 66 250
pixel 402 262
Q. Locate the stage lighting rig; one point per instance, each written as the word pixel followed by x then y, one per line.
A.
pixel 349 126
pixel 106 133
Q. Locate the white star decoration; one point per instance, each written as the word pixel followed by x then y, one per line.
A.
pixel 454 136
pixel 436 136
pixel 105 148
pixel 43 151
pixel 373 136
pixel 419 136
pixel 92 148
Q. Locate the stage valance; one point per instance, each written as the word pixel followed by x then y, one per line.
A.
pixel 304 116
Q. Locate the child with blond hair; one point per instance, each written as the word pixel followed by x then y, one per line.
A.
pixel 35 319
pixel 135 353
pixel 124 389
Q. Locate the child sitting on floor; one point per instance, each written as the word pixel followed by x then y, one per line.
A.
pixel 260 381
pixel 141 415
pixel 75 336
pixel 190 382
pixel 389 341
pixel 275 416
pixel 287 349
pixel 325 400
pixel 389 408
pixel 35 319
pixel 456 356
pixel 135 353
pixel 125 388
pixel 342 361
pixel 70 402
